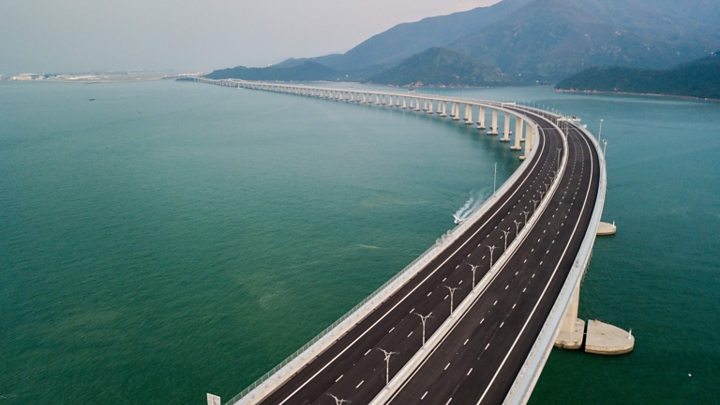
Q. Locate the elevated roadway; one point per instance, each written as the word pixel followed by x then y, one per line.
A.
pixel 460 325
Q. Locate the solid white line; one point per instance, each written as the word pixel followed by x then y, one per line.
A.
pixel 423 395
pixel 446 366
pixel 339 378
pixel 359 384
pixel 367 352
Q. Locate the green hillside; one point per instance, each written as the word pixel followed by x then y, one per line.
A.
pixel 700 78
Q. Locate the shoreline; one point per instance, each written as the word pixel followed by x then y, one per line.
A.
pixel 628 93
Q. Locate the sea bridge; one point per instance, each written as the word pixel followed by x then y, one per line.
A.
pixel 473 319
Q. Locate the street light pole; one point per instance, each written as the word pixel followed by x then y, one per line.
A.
pixel 517 226
pixel 526 214
pixel 495 179
pixel 387 364
pixel 452 296
pixel 473 268
pixel 506 233
pixel 600 130
pixel 423 319
pixel 339 401
pixel 492 249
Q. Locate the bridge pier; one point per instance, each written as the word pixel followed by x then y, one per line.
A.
pixel 572 330
pixel 518 133
pixel 529 141
pixel 481 118
pixel 506 131
pixel 494 127
pixel 468 114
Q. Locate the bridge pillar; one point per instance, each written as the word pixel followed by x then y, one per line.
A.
pixel 481 118
pixel 529 140
pixel 572 330
pixel 456 112
pixel 494 127
pixel 442 108
pixel 506 131
pixel 468 114
pixel 404 103
pixel 518 133
pixel 417 104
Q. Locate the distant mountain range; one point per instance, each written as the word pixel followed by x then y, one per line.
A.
pixel 525 41
pixel 700 78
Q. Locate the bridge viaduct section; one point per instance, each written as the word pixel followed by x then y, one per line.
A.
pixel 474 318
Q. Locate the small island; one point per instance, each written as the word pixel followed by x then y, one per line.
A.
pixel 697 79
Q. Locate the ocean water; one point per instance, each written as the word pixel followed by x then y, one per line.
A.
pixel 172 239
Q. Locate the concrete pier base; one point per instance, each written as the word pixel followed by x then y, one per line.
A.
pixel 606 229
pixel 609 340
pixel 571 339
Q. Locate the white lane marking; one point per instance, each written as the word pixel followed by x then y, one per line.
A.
pixel 482 320
pixel 410 334
pixel 367 352
pixel 429 294
pixel 444 278
pixel 456 267
pixel 359 384
pixel 391 329
pixel 495 303
pixel 423 395
pixel 412 310
pixel 446 366
pixel 524 289
pixel 448 401
pixel 446 297
pixel 339 378
pixel 487 345
pixel 514 305
pixel 507 286
pixel 460 282
pixel 469 371
pixel 466 340
pixel 502 324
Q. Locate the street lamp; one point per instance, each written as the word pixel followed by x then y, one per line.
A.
pixel 423 319
pixel 387 363
pixel 526 214
pixel 506 233
pixel 452 295
pixel 535 205
pixel 492 249
pixel 473 268
pixel 517 226
pixel 339 401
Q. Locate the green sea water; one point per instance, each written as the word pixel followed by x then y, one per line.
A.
pixel 172 239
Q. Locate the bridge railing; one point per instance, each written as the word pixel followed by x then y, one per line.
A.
pixel 420 262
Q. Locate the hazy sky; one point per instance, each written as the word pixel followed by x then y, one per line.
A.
pixel 82 35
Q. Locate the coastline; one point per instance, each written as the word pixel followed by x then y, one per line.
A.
pixel 627 93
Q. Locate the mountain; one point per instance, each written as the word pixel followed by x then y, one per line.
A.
pixel 540 40
pixel 438 66
pixel 396 44
pixel 700 78
pixel 549 39
pixel 301 71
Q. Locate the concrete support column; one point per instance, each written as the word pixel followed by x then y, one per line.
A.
pixel 468 114
pixel 417 104
pixel 518 133
pixel 481 118
pixel 429 106
pixel 506 131
pixel 404 103
pixel 572 329
pixel 494 127
pixel 529 140
pixel 456 111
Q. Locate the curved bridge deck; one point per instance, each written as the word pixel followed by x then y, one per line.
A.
pixel 484 296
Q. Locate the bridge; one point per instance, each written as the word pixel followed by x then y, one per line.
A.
pixel 473 319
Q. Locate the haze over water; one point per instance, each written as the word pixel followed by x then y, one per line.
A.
pixel 171 239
